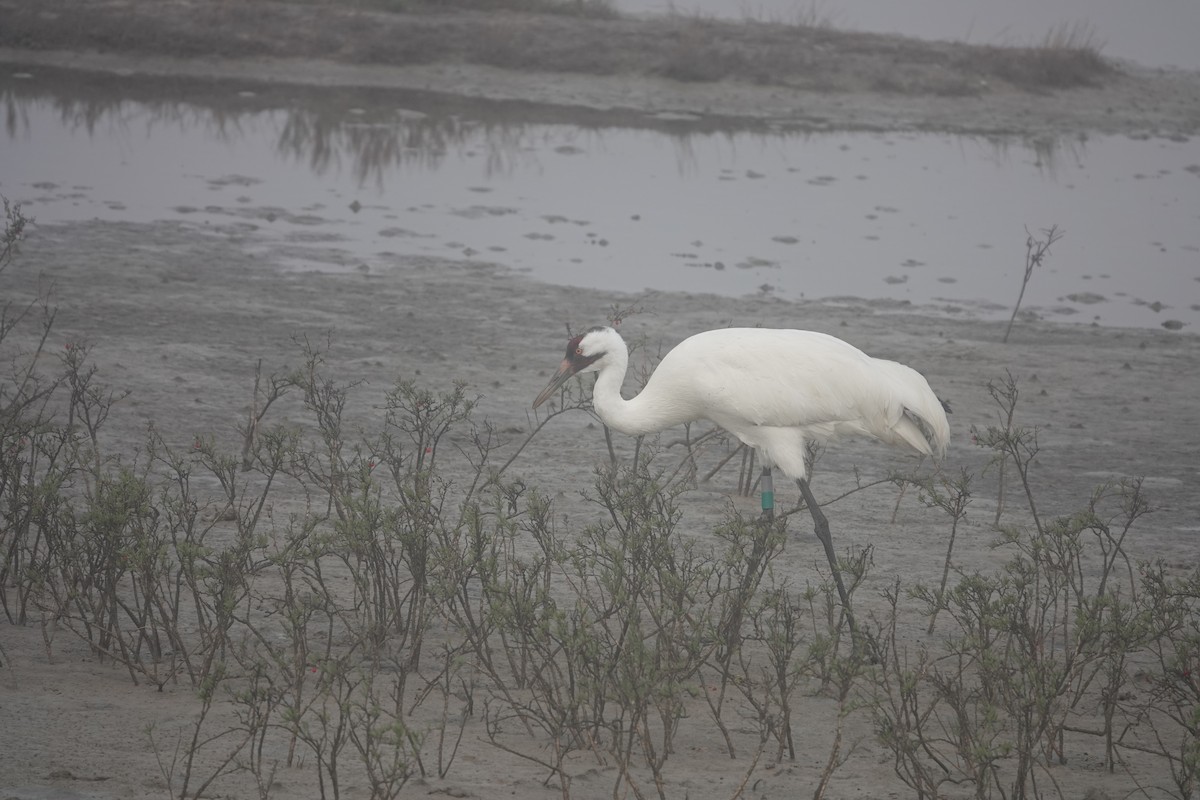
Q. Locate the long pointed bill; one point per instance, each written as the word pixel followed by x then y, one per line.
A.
pixel 565 370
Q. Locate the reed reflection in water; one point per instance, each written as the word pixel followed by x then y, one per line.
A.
pixel 628 203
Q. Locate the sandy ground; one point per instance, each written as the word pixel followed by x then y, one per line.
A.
pixel 179 315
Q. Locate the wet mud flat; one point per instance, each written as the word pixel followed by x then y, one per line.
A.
pixel 179 315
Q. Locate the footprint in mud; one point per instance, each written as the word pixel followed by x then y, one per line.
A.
pixel 232 180
pixel 481 212
pixel 752 262
pixel 1087 298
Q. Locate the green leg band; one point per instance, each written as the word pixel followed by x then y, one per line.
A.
pixel 768 490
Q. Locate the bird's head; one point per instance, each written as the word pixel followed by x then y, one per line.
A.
pixel 585 353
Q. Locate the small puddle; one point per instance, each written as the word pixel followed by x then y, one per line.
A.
pixel 349 179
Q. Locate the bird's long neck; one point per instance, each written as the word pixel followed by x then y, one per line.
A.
pixel 646 413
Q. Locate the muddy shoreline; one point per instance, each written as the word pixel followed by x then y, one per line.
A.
pixel 1142 104
pixel 795 78
pixel 178 314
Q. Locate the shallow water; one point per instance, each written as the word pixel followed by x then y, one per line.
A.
pixel 1154 33
pixel 351 179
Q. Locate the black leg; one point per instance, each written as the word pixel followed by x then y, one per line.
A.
pixel 821 526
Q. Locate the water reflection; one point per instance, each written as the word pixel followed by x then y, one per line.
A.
pixel 368 132
pixel 662 204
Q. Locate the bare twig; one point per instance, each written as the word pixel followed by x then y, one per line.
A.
pixel 1036 251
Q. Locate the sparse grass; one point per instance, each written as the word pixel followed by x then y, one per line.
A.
pixel 581 8
pixel 347 605
pixel 1065 59
pixel 584 37
pixel 1048 647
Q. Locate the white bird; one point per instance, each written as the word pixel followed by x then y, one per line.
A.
pixel 775 390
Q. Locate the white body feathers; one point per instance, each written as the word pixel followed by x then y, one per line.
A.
pixel 772 389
